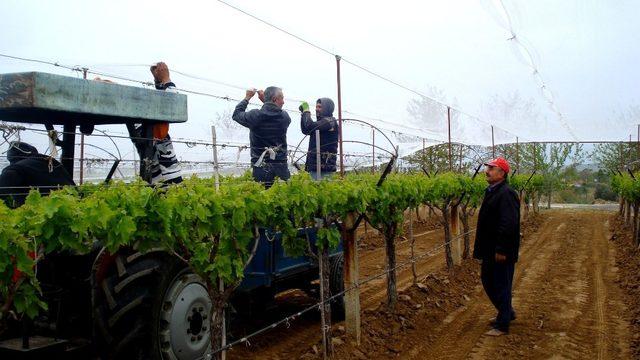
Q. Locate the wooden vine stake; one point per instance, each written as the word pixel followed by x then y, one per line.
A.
pixel 351 276
pixel 324 268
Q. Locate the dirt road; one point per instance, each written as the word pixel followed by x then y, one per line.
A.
pixel 567 302
pixel 303 333
pixel 565 295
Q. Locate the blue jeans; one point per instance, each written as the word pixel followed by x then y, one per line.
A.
pixel 323 175
pixel 268 172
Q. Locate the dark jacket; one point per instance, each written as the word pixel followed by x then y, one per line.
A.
pixel 329 134
pixel 498 229
pixel 31 171
pixel 267 129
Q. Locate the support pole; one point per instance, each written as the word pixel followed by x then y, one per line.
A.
pixel 325 309
pixel 449 130
pixel 84 76
pixel 630 150
pixel 373 149
pixel 325 341
pixel 81 159
pixel 517 154
pixel 340 116
pixel 430 159
pixel 216 169
pixel 351 276
pixel 135 162
pixel 414 270
pixel 493 144
pixel 323 260
pixel 216 174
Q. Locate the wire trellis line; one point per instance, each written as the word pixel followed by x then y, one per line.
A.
pixel 317 305
pixel 87 70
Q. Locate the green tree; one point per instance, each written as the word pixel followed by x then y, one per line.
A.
pixel 617 156
pixel 549 159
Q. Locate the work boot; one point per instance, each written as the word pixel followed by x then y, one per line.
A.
pixel 496 332
pixel 493 320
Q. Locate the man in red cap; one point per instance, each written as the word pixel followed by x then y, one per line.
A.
pixel 497 242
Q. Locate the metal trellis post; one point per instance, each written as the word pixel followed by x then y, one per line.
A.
pixel 216 174
pixel 340 116
pixel 449 131
pixel 493 144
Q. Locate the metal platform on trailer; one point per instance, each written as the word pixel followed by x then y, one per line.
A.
pixel 50 99
pixel 36 97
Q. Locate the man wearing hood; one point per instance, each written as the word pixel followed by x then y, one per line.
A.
pixel 329 134
pixel 267 134
pixel 29 169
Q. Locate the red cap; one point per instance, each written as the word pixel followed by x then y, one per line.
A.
pixel 499 162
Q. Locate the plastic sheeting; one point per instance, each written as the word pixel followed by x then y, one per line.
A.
pixel 508 70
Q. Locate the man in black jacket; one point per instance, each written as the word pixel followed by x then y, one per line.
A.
pixel 497 242
pixel 267 134
pixel 329 133
pixel 28 169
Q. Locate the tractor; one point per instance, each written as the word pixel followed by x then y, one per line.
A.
pixel 128 304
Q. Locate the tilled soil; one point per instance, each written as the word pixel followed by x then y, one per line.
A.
pixel 286 340
pixel 628 277
pixel 371 239
pixel 575 294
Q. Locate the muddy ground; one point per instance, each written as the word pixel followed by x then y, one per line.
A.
pixel 576 293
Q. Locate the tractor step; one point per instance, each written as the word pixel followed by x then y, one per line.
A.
pixel 42 347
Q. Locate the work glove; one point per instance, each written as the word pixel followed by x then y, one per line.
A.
pixel 304 106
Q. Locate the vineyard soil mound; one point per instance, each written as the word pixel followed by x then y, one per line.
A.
pixel 386 333
pixel 373 239
pixel 628 263
pixel 575 293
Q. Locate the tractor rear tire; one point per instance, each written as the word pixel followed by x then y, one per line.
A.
pixel 138 312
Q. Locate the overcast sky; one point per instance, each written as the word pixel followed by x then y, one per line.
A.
pixel 586 51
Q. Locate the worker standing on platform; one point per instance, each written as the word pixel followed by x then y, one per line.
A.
pixel 164 166
pixel 267 134
pixel 329 135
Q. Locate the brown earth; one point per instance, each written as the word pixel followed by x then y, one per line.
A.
pixel 628 264
pixel 572 292
pixel 371 239
pixel 280 344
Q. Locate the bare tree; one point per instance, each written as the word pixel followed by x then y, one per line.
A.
pixel 512 111
pixel 224 123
